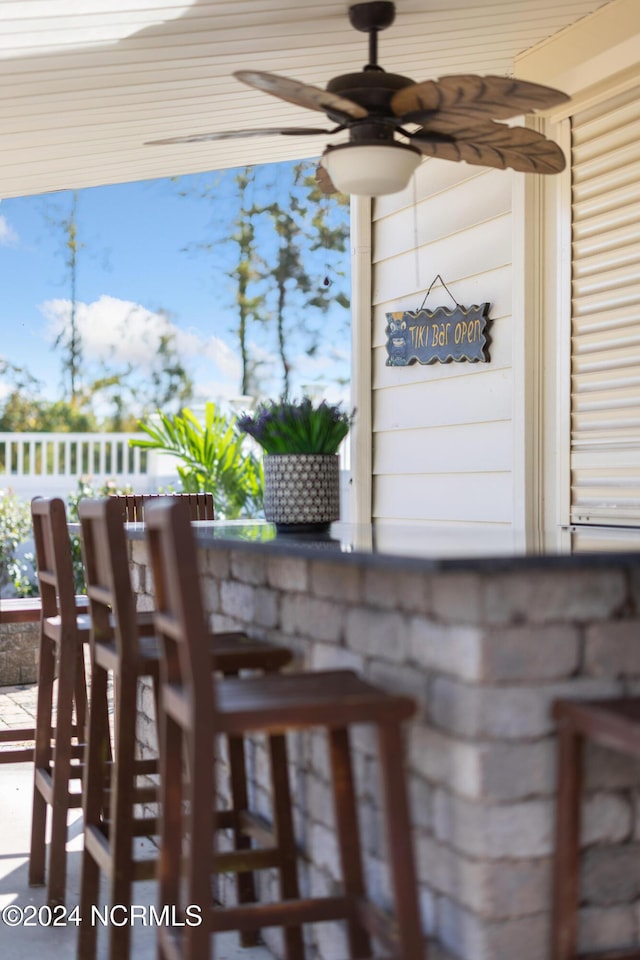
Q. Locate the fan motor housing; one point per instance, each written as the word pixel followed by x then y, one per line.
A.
pixel 371 89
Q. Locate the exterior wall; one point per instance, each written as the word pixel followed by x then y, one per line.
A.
pixel 484 651
pixel 443 433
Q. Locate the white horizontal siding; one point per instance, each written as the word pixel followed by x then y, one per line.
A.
pixel 421 223
pixel 477 398
pixel 442 433
pixel 462 259
pixel 471 498
pixel 605 382
pixel 448 449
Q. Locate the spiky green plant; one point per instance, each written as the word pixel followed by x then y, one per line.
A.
pixel 213 459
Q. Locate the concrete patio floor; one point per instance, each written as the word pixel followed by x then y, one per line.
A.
pixel 22 942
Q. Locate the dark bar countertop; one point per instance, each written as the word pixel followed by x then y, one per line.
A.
pixel 414 547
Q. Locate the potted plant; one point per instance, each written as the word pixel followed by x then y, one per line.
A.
pixel 301 466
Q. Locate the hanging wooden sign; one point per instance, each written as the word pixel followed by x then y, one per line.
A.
pixel 438 336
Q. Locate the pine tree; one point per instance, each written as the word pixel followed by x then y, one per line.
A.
pixel 279 232
pixel 69 339
pixel 305 223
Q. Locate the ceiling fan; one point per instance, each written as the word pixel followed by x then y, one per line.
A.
pixel 393 122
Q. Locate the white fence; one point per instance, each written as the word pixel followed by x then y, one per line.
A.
pixel 51 464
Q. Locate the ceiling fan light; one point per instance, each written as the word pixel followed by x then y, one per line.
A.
pixel 371 169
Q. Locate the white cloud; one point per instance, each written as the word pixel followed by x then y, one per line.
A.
pixel 116 330
pixel 123 332
pixel 226 360
pixel 126 332
pixel 8 236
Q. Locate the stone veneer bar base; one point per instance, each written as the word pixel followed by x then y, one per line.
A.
pixel 19 646
pixel 484 650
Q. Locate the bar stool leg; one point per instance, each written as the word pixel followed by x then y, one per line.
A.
pixel 567 849
pixel 171 817
pixel 348 834
pixel 98 753
pixel 62 769
pixel 245 883
pixel 401 862
pixel 200 819
pixel 283 820
pixel 42 761
pixel 122 814
pixel 80 695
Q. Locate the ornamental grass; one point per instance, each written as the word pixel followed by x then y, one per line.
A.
pixel 285 426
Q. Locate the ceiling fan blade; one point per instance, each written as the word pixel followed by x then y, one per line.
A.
pixel 524 150
pixel 324 181
pixel 303 94
pixel 474 97
pixel 233 134
pixel 489 133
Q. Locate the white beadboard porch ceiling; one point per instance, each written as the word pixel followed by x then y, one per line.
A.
pixel 84 83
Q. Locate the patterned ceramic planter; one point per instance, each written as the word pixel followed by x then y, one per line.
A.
pixel 301 491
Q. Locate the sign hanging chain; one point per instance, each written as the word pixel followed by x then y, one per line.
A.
pixel 433 282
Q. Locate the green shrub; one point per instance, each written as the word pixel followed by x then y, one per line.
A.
pixel 15 529
pixel 85 490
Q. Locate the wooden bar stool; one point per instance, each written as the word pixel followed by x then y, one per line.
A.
pixel 58 751
pixel 614 724
pixel 197 707
pixel 127 656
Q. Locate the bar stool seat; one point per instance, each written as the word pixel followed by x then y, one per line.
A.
pixel 613 723
pixel 329 698
pixel 196 709
pixel 233 652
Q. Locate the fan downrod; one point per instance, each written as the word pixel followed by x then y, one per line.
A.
pixel 371 18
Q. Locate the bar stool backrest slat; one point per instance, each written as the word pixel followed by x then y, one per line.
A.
pixel 134 504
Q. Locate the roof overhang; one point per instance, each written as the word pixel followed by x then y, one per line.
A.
pixel 86 82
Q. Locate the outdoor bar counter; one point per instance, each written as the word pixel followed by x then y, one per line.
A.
pixel 484 644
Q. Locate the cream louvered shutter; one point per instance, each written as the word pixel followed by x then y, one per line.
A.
pixel 605 323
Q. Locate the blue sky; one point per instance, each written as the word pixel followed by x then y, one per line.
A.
pixel 139 271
